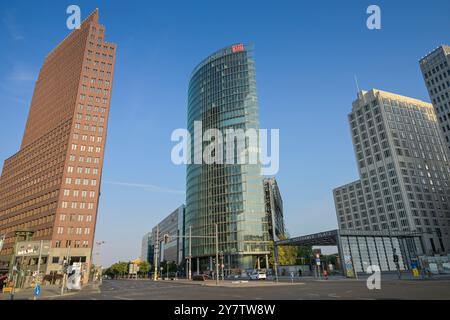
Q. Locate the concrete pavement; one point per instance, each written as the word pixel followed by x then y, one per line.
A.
pixel 49 292
pixel 307 290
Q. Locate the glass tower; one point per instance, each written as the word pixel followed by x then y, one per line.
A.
pixel 222 95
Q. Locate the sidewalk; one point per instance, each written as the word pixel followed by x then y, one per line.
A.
pixel 51 291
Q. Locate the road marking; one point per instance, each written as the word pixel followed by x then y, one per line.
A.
pixel 123 298
pixel 333 295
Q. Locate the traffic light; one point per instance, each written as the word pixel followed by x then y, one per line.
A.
pixel 395 258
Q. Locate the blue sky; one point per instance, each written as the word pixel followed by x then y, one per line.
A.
pixel 306 57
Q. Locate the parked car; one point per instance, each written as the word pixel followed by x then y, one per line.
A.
pixel 258 275
pixel 200 277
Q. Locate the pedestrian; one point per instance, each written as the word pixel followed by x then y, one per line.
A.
pixel 3 281
pixel 299 272
pixel 325 274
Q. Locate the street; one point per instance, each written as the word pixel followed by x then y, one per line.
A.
pixel 254 290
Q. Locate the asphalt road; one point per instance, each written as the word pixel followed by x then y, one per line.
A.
pixel 307 290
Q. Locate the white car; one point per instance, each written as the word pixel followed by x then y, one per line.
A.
pixel 258 275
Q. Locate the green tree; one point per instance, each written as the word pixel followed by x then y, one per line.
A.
pixel 287 255
pixel 144 267
pixel 304 254
pixel 118 269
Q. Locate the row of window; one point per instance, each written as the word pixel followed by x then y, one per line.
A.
pixel 76 244
pixel 73 230
pixel 86 148
pixel 84 159
pixel 92 98
pixel 79 181
pixel 87 127
pixel 75 217
pixel 84 137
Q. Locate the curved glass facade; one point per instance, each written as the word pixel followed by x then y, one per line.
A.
pixel 222 95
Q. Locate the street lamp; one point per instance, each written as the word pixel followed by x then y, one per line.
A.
pixel 99 268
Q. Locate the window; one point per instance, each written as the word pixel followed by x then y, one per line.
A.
pixel 87 230
pixel 60 230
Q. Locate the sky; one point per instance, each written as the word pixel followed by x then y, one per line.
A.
pixel 307 55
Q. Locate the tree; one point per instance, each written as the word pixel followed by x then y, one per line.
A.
pixel 144 267
pixel 119 268
pixel 304 254
pixel 287 255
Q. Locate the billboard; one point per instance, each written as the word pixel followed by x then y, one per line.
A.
pixel 31 248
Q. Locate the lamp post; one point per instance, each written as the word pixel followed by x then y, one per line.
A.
pixel 99 267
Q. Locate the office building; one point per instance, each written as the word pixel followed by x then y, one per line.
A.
pixel 222 95
pixel 50 188
pixel 404 171
pixel 167 236
pixel 274 209
pixel 435 69
pixel 146 247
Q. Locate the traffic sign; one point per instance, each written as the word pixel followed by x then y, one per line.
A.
pixel 37 290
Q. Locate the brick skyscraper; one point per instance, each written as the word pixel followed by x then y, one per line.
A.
pixel 51 186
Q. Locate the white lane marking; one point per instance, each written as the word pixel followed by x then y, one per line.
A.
pixel 123 298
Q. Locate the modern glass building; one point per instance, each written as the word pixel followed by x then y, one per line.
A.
pixel 274 209
pixel 222 95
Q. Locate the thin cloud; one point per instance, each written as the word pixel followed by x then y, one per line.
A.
pixel 17 84
pixel 20 73
pixel 148 187
pixel 9 21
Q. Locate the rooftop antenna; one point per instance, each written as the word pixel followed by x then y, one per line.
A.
pixel 359 93
pixel 357 86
